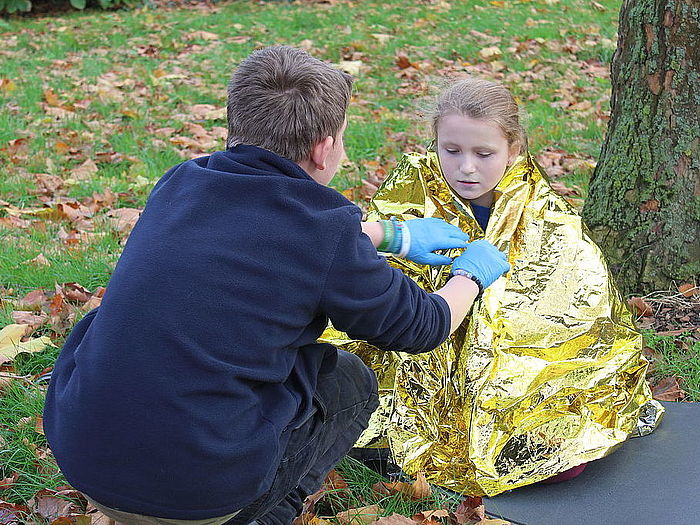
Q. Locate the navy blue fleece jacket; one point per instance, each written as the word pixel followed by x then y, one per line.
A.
pixel 175 398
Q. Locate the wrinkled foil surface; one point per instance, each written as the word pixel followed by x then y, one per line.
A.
pixel 544 374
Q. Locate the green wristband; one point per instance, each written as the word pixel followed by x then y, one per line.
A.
pixel 388 239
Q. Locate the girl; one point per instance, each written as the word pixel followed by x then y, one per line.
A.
pixel 546 373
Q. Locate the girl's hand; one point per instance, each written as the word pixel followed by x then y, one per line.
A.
pixel 482 260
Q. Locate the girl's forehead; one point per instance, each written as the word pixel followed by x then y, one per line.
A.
pixel 461 127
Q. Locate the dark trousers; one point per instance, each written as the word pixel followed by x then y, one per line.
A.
pixel 344 400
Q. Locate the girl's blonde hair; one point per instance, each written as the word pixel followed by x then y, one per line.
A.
pixel 482 99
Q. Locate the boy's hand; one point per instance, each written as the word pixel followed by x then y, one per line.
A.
pixel 482 260
pixel 430 234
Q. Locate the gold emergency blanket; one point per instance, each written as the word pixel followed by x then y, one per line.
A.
pixel 546 372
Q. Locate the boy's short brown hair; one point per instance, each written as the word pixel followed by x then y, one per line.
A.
pixel 282 99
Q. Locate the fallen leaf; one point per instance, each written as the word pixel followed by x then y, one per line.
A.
pixel 430 515
pixel 85 171
pixel 39 260
pixel 351 67
pixel 394 519
pixel 39 425
pixel 640 306
pixel 11 344
pixel 668 389
pixel 360 515
pixel 563 189
pixel 29 318
pixel 7 85
pixel 204 35
pixel 650 205
pixel 386 488
pixel 470 510
pixel 420 488
pixel 493 521
pixel 490 53
pixel 51 98
pixel 124 219
pixel 335 481
pixel 33 300
pixel 382 38
pixel 6 483
pixel 403 62
pixel 687 289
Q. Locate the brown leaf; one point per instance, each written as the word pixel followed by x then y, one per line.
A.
pixel 687 289
pixel 650 205
pixel 490 53
pixel 74 292
pixel 360 515
pixel 48 184
pixel 402 61
pixel 34 300
pixel 6 483
pixel 203 35
pixel 7 85
pixel 390 488
pixel 49 506
pixel 564 190
pixel 640 306
pixel 39 425
pixel 427 516
pixel 12 513
pixel 124 219
pixel 420 488
pixel 335 481
pixel 92 303
pixel 470 510
pixel 394 519
pixel 668 389
pixel 51 98
pixel 40 260
pixel 30 318
pixel 85 171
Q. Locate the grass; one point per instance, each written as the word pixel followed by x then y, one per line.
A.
pixel 121 89
pixel 679 356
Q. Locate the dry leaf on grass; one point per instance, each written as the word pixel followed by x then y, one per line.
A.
pixel 470 511
pixel 668 389
pixel 688 290
pixel 360 515
pixel 430 517
pixel 11 342
pixel 394 519
pixel 640 306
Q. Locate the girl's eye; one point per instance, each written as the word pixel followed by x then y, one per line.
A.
pixel 484 154
pixel 451 150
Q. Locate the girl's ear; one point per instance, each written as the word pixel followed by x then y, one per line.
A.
pixel 513 152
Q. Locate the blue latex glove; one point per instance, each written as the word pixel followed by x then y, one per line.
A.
pixel 430 234
pixel 483 260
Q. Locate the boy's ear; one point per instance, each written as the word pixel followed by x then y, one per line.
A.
pixel 320 152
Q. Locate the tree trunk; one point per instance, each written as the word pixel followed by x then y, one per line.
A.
pixel 643 206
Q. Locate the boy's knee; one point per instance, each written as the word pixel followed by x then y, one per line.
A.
pixel 359 374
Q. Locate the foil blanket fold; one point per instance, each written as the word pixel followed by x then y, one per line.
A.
pixel 545 373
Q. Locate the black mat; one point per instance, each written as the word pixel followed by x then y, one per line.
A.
pixel 648 481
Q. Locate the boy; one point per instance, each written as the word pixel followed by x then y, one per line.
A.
pixel 197 392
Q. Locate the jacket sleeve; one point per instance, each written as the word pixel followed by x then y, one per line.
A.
pixel 369 300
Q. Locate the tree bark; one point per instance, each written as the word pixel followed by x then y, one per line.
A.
pixel 643 206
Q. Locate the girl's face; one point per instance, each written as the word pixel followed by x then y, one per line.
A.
pixel 474 154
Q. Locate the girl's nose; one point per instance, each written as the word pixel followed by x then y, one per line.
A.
pixel 467 165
